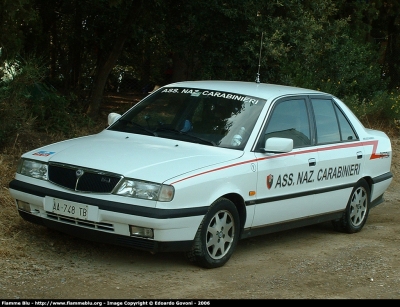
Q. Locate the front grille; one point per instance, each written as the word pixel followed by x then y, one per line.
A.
pixel 79 222
pixel 81 179
pixel 63 176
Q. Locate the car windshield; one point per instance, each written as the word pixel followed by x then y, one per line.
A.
pixel 202 116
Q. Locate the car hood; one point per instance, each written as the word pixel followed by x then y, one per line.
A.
pixel 132 155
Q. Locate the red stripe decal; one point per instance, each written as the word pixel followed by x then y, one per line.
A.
pixel 374 155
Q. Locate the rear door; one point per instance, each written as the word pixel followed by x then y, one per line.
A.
pixel 340 155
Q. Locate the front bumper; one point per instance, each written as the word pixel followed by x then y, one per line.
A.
pixel 174 229
pixel 109 238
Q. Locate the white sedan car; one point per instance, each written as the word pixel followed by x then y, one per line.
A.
pixel 196 166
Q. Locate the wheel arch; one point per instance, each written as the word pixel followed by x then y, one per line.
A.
pixel 240 205
pixel 369 181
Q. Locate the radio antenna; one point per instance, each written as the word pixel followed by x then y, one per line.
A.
pixel 259 60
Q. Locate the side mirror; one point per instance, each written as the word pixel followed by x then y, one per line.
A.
pixel 112 118
pixel 278 145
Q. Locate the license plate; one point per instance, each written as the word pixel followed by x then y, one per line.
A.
pixel 67 208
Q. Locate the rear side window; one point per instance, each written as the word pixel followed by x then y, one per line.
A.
pixel 332 125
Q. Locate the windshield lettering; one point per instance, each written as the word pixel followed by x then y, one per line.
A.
pixel 197 93
pixel 170 90
pixel 203 116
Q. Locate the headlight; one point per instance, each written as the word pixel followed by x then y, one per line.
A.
pixel 146 190
pixel 31 168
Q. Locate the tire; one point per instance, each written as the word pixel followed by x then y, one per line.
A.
pixel 217 235
pixel 357 210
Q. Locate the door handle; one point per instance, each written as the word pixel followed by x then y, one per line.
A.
pixel 312 162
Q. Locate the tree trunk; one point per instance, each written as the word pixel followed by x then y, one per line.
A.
pixel 104 68
pixel 392 53
pixel 179 69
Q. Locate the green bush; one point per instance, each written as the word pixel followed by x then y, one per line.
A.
pixel 27 102
pixel 382 108
pixel 51 110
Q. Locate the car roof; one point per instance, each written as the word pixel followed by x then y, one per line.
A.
pixel 261 90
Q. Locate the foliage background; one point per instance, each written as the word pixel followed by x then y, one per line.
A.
pixel 60 59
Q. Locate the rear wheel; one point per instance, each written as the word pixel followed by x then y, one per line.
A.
pixel 217 236
pixel 357 209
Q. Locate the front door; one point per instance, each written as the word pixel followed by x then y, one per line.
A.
pixel 286 181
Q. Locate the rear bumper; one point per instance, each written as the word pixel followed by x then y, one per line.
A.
pixel 379 185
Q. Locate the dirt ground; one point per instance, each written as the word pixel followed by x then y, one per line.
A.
pixel 308 263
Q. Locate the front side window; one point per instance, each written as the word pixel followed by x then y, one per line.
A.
pixel 289 119
pixel 202 116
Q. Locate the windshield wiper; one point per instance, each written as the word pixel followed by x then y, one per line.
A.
pixel 186 134
pixel 128 122
pixel 204 141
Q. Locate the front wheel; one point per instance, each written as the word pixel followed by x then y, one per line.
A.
pixel 357 209
pixel 217 235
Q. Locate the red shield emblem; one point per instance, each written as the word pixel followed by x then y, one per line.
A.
pixel 270 180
